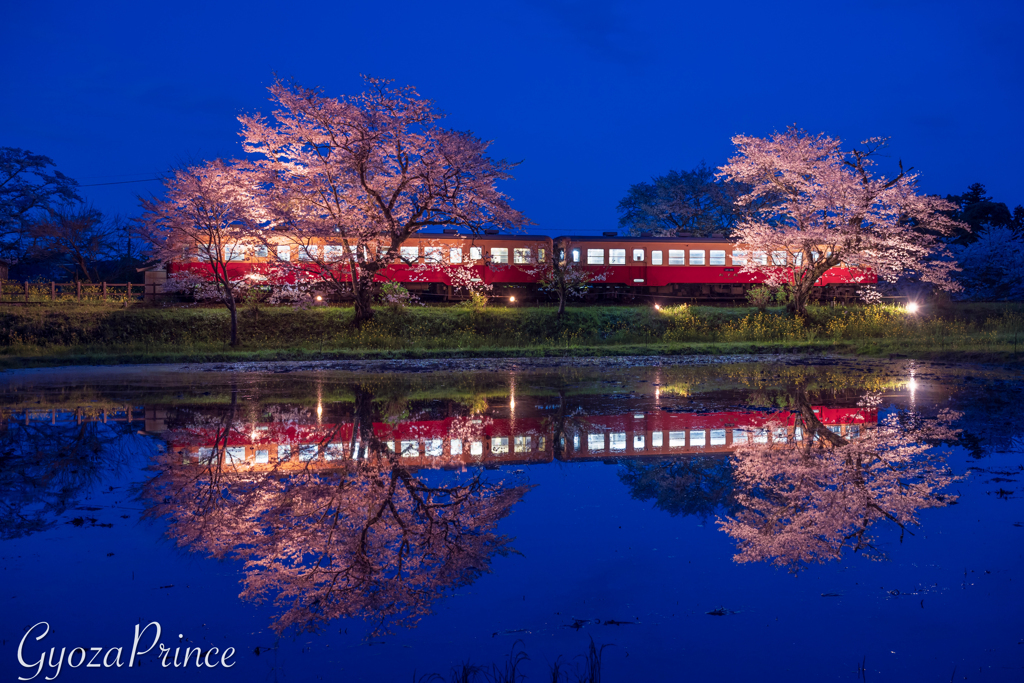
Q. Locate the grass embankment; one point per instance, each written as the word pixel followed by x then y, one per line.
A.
pixel 69 335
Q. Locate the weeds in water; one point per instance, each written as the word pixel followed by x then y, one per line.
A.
pixel 510 671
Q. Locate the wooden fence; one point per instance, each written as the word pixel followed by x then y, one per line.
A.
pixel 14 292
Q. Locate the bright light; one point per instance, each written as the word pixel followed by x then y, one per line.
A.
pixel 657 307
pixel 911 307
pixel 512 299
pixel 319 298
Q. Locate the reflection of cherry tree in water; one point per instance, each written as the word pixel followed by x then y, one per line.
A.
pixel 696 485
pixel 371 540
pixel 806 500
pixel 46 468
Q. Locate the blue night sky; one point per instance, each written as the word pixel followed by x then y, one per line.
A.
pixel 592 96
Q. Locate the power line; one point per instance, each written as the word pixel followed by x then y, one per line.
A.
pixel 122 182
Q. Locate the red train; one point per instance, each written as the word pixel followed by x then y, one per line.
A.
pixel 438 265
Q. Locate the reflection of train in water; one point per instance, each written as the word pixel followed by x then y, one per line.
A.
pixel 467 442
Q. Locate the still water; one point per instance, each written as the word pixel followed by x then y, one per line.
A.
pixel 778 522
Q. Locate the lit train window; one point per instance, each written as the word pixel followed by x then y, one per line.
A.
pixel 540 443
pixel 617 257
pixel 677 439
pixel 595 442
pixel 655 258
pixel 617 441
pixel 261 251
pixel 284 452
pixel 781 435
pixel 718 257
pixel 698 438
pixel 638 255
pixel 410 449
pixel 523 444
pixel 835 429
pixel 234 252
pixel 761 258
pixel 499 444
pixel 409 253
pixel 455 254
pixel 499 254
pixel 334 252
pixel 761 436
pixel 284 252
pixel 576 441
pixel 798 258
pixel 307 452
pixel 435 447
pixel 814 256
pixel 595 257
pixel 476 448
pixel 540 256
pixel 520 255
pixel 334 451
pixel 798 434
pixel 739 436
pixel 717 437
pixel 476 253
pixel 206 456
pixel 456 446
pixel 779 258
pixel 308 252
pixel 262 457
pixel 677 257
pixel 432 255
pixel 696 257
pixel 575 255
pixel 656 440
pixel 638 442
pixel 852 431
pixel 739 258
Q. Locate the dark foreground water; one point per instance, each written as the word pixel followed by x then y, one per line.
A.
pixel 782 522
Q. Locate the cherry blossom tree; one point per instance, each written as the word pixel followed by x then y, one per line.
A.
pixel 565 277
pixel 813 206
pixel 209 215
pixel 809 497
pixel 361 174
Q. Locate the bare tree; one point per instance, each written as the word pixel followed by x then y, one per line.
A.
pixel 74 238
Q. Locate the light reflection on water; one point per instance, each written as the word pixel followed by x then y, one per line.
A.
pixel 380 497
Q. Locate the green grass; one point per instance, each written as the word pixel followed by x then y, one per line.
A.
pixel 56 335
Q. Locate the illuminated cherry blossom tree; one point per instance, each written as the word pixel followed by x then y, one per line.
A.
pixel 807 500
pixel 813 206
pixel 363 173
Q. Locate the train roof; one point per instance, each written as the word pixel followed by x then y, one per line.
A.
pixel 472 236
pixel 654 240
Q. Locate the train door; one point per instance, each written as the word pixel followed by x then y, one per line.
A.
pixel 637 266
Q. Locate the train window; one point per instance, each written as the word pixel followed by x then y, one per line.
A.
pixel 739 258
pixel 476 448
pixel 476 253
pixel 697 438
pixel 798 258
pixel 540 256
pixel 284 451
pixel 575 255
pixel 761 258
pixel 284 252
pixel 234 252
pixel 333 252
pixel 520 255
pixel 561 254
pixel 677 257
pixel 410 449
pixel 523 444
pixel 410 253
pixel 655 258
pixel 595 257
pixel 638 442
pixel 739 436
pixel 717 257
pixel 638 255
pixel 456 447
pixel 696 257
pixel 433 254
pixel 499 254
pixel 307 452
pixel 540 443
pixel 798 433
pixel 308 252
pixel 617 257
pixel 617 441
pixel 656 440
pixel 576 441
pixel 761 436
pixel 779 258
pixel 595 442
pixel 780 435
pixel 435 448
pixel 852 431
pixel 261 251
pixel 499 444
pixel 677 439
pixel 814 256
pixel 717 437
pixel 455 254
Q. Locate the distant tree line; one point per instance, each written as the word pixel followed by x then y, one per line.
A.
pixel 49 232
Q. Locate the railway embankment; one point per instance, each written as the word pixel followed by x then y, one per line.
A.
pixel 47 336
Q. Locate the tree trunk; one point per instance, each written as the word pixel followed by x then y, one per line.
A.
pixel 561 304
pixel 229 301
pixel 363 290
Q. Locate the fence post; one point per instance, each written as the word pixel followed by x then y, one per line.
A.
pixel 53 291
pixel 78 290
pixel 26 291
pixel 104 291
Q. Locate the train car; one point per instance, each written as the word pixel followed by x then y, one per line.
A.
pixel 437 264
pixel 687 267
